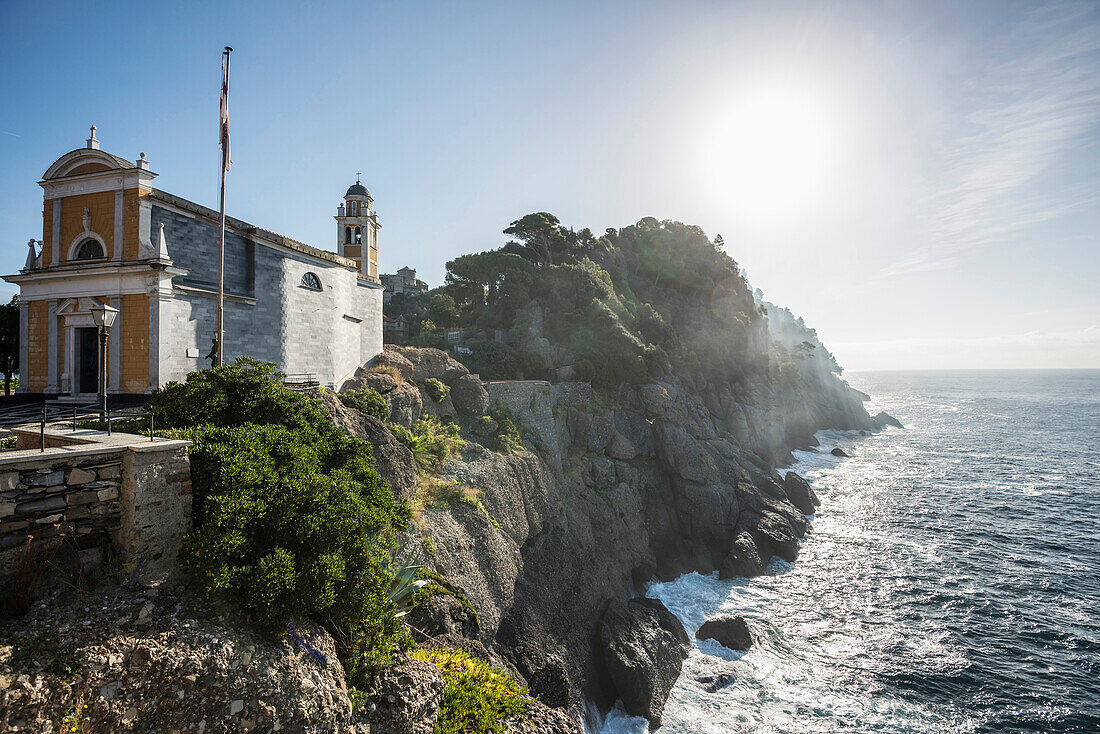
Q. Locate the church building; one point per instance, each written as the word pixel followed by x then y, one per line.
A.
pixel 109 236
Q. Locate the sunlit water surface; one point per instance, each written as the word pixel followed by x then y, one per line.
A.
pixel 950 583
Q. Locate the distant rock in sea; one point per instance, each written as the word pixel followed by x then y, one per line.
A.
pixel 728 631
pixel 840 452
pixel 884 419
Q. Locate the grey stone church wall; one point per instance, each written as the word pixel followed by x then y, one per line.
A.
pixel 328 333
pixel 193 244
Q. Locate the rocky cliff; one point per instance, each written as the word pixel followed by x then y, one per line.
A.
pixel 667 477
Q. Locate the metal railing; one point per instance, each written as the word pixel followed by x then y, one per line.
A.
pixel 301 382
pixel 74 415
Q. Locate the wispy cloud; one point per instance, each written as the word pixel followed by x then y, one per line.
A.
pixel 1037 96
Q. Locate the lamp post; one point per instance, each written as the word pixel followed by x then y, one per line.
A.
pixel 104 317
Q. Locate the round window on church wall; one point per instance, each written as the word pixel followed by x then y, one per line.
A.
pixel 311 281
pixel 89 250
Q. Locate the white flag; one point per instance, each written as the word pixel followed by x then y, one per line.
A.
pixel 224 127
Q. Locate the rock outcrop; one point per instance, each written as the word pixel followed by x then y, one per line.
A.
pixel 883 419
pixel 728 631
pixel 671 477
pixel 800 493
pixel 643 646
pixel 391 458
pixel 405 699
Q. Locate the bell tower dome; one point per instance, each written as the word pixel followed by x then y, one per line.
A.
pixel 357 229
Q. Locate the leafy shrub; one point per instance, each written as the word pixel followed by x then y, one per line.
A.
pixel 290 516
pixel 506 438
pixel 476 696
pixel 436 390
pixel 367 401
pixel 430 441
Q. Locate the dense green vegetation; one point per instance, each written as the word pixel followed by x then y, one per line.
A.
pixel 431 442
pixel 504 436
pixel 476 696
pixel 291 520
pixel 368 401
pixel 435 389
pixel 635 303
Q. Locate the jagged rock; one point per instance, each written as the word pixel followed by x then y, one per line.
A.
pixel 715 683
pixel 442 614
pixel 469 396
pixel 406 403
pixel 380 382
pixel 621 448
pixel 427 362
pixel 545 672
pixel 800 493
pixel 743 560
pixel 839 452
pixel 643 646
pixel 180 666
pixel 392 357
pixel 599 433
pixel 885 419
pixel 775 536
pixel 728 631
pixel 541 719
pixel 392 459
pixel 406 699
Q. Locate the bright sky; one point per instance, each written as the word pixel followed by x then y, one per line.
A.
pixel 920 181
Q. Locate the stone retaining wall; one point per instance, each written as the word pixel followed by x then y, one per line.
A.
pixel 89 489
pixel 533 404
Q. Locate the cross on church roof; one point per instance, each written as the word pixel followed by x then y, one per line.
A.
pixel 357 175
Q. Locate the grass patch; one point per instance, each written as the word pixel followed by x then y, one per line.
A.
pixel 437 495
pixel 388 369
pixel 430 441
pixel 476 696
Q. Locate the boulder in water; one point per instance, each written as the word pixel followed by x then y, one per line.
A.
pixel 800 493
pixel 643 646
pixel 728 631
pixel 884 419
pixel 840 452
pixel 743 559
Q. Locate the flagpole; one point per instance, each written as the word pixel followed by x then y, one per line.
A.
pixel 223 126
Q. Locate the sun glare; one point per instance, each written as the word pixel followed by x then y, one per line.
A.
pixel 772 151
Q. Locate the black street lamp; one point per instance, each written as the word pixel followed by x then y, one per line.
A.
pixel 104 317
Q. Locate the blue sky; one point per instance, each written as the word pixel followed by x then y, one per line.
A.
pixel 920 181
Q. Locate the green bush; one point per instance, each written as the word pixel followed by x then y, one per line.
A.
pixel 436 390
pixel 476 696
pixel 367 401
pixel 506 438
pixel 430 441
pixel 291 519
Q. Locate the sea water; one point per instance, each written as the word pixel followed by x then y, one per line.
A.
pixel 950 582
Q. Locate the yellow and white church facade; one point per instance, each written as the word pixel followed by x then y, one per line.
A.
pixel 109 236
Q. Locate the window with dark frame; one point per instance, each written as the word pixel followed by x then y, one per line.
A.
pixel 90 250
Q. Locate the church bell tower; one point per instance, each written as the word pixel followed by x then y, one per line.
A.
pixel 357 229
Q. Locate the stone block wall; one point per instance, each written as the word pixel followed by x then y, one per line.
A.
pixel 78 497
pixel 92 489
pixel 156 506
